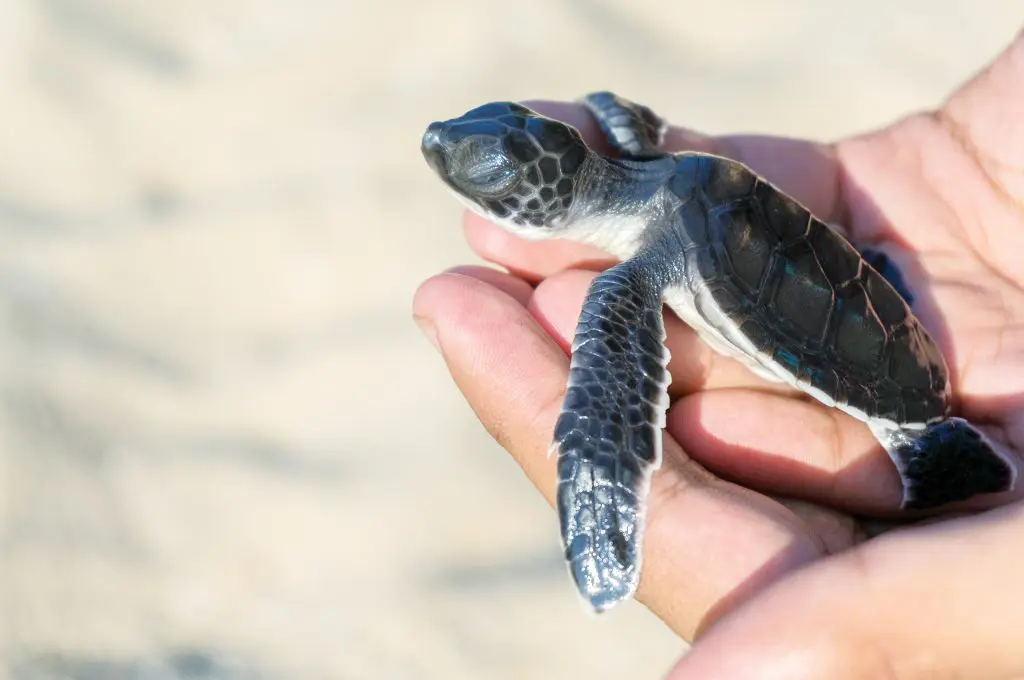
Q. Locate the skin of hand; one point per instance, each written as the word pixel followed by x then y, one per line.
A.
pixel 753 546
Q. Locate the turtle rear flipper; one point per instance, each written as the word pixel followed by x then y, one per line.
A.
pixel 948 461
pixel 884 265
pixel 608 435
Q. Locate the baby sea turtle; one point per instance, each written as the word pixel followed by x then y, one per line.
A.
pixel 749 268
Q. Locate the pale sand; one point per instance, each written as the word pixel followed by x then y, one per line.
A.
pixel 228 453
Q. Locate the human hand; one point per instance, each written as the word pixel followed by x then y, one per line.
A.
pixel 941 193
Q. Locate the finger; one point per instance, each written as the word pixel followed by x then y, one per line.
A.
pixel 514 287
pixel 806 170
pixel 497 354
pixel 708 546
pixel 798 448
pixel 942 601
pixel 743 428
pixel 531 260
pixel 693 364
pixel 740 427
pixel 790 447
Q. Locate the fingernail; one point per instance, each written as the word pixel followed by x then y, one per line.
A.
pixel 429 330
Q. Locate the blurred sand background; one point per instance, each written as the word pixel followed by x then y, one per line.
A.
pixel 226 452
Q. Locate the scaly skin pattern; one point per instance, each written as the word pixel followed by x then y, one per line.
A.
pixel 755 274
pixel 547 157
pixel 609 431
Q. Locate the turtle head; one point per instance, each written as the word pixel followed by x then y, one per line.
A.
pixel 510 164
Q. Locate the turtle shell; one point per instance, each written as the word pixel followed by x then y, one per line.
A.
pixel 797 295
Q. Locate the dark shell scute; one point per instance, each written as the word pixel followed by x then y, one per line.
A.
pixel 890 407
pixel 932 405
pixel 788 219
pixel 821 377
pixel 804 296
pixel 858 394
pixel 859 338
pixel 787 359
pixel 687 174
pixel 758 336
pixel 910 363
pixel 727 181
pixel 890 307
pixel 940 375
pixel 694 219
pixel 747 244
pixel 838 258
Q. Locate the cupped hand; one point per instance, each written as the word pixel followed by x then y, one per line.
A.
pixel 752 540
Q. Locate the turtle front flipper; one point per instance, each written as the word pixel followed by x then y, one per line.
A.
pixel 633 130
pixel 608 435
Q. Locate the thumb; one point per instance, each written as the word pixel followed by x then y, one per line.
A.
pixel 941 601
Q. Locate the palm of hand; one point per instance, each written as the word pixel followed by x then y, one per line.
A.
pixel 942 194
pixel 944 212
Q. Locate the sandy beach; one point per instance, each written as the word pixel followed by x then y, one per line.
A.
pixel 226 451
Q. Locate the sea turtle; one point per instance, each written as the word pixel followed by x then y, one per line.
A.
pixel 755 274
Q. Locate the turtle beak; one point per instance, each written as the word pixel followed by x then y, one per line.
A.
pixel 433 148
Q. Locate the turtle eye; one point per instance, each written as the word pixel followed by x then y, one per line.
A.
pixel 483 167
